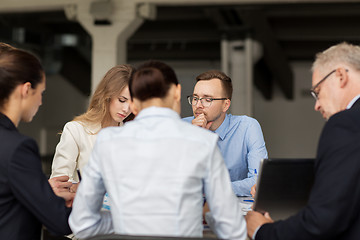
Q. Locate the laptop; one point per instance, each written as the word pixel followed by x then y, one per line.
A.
pixel 283 186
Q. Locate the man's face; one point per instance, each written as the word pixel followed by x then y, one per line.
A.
pixel 326 103
pixel 209 88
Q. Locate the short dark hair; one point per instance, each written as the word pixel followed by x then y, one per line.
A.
pixel 225 80
pixel 152 79
pixel 17 67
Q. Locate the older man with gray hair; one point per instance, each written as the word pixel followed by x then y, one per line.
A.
pixel 333 208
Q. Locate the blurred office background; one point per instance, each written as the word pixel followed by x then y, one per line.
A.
pixel 267 47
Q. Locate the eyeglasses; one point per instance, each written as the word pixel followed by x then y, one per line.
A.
pixel 314 93
pixel 205 101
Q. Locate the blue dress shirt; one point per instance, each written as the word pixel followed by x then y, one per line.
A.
pixel 242 145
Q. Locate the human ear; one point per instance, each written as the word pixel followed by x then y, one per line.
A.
pixel 25 89
pixel 344 77
pixel 226 105
pixel 133 107
pixel 178 92
pixel 177 99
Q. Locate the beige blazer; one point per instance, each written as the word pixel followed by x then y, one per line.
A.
pixel 74 149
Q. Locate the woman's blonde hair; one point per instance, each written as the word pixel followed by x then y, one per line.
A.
pixel 114 81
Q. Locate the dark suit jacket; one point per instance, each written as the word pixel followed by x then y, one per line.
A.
pixel 26 198
pixel 333 209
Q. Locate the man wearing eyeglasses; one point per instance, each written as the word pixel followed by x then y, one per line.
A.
pixel 333 208
pixel 241 141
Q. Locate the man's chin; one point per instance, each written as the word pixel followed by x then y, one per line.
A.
pixel 326 116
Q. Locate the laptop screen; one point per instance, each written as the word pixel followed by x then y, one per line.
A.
pixel 283 186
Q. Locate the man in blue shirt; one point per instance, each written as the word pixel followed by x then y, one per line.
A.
pixel 241 141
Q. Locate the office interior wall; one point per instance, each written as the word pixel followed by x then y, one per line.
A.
pixel 291 127
pixel 61 103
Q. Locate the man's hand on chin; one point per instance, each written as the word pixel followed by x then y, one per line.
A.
pixel 201 121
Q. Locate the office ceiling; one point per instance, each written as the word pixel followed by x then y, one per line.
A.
pixel 286 31
pixel 299 30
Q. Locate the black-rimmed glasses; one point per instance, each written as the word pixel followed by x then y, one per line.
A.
pixel 314 93
pixel 205 101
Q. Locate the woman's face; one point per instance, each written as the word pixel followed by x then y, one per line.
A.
pixel 119 106
pixel 33 101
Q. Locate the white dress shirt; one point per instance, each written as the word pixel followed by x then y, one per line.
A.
pixel 352 101
pixel 155 169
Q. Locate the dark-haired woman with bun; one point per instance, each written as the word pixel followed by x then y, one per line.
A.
pixel 27 200
pixel 155 169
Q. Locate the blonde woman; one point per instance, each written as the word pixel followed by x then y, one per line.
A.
pixel 109 106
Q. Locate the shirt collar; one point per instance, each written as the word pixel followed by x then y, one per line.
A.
pixel 221 130
pixel 351 103
pixel 6 122
pixel 158 112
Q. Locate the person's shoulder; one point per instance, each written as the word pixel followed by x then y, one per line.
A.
pixel 340 133
pixel 241 118
pixel 73 126
pixel 342 127
pixel 18 141
pixel 188 119
pixel 186 125
pixel 348 118
pixel 12 141
pixel 28 141
pixel 14 137
pixel 236 120
pixel 196 132
pixel 19 148
pixel 109 133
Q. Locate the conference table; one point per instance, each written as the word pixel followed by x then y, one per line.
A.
pixel 245 204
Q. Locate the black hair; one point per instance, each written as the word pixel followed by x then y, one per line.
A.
pixel 152 79
pixel 18 67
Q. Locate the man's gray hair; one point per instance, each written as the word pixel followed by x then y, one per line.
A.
pixel 341 53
